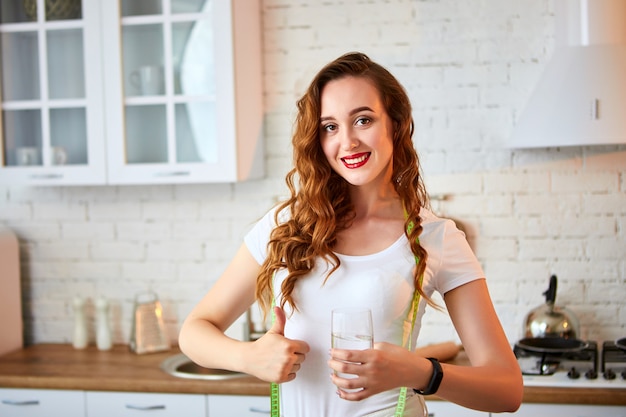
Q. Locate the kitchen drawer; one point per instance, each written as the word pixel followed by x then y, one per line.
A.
pixel 41 402
pixel 238 406
pixel 570 410
pixel 446 409
pixel 131 404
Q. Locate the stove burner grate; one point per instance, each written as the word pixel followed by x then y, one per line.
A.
pixel 613 358
pixel 548 363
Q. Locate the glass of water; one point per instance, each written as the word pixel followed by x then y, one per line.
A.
pixel 352 329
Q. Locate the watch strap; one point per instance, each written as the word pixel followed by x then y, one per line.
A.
pixel 435 379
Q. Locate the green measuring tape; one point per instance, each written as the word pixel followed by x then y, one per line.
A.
pixel 415 305
pixel 402 397
pixel 275 400
pixel 275 389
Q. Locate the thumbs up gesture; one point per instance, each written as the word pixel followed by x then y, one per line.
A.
pixel 278 327
pixel 274 358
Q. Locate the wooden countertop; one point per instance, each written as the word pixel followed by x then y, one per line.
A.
pixel 59 366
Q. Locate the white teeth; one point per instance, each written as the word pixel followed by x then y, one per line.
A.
pixel 355 160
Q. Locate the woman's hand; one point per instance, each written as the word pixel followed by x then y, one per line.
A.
pixel 274 357
pixel 385 367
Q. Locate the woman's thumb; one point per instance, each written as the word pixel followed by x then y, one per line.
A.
pixel 278 326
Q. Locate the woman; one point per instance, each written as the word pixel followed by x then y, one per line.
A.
pixel 356 231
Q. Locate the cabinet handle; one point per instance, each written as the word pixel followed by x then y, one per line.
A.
pixel 259 410
pixel 46 176
pixel 26 402
pixel 145 407
pixel 173 174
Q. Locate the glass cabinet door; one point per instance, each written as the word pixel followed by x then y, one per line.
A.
pixel 168 98
pixel 130 91
pixel 168 84
pixel 46 96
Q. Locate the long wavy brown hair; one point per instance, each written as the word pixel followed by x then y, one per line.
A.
pixel 320 205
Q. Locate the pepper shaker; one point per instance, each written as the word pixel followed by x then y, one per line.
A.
pixel 80 324
pixel 103 330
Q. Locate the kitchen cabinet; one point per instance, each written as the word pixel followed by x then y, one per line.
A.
pixel 255 406
pixel 128 92
pixel 570 410
pixel 68 403
pixel 41 403
pixel 238 406
pixel 132 404
pixel 52 121
pixel 446 409
pixel 190 106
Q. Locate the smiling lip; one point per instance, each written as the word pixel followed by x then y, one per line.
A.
pixel 356 160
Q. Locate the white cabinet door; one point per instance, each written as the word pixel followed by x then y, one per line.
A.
pixel 238 406
pixel 130 92
pixel 570 410
pixel 183 91
pixel 51 95
pixel 446 409
pixel 130 404
pixel 41 403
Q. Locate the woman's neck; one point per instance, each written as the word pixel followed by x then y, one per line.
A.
pixel 375 201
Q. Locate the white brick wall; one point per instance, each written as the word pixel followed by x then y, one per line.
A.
pixel 469 68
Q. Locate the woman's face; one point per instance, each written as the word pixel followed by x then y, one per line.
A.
pixel 356 133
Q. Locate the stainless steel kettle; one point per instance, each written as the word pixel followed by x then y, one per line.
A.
pixel 550 320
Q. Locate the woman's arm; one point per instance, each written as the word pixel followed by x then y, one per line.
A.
pixel 443 352
pixel 493 382
pixel 202 338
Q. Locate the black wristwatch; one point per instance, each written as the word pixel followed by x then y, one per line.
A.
pixel 435 380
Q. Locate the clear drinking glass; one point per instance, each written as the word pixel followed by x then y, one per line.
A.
pixel 352 329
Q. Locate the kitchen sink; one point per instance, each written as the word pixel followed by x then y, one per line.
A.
pixel 181 366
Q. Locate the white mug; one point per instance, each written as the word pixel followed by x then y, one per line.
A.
pixel 148 80
pixel 58 155
pixel 27 155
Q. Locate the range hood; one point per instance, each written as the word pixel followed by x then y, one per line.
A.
pixel 581 97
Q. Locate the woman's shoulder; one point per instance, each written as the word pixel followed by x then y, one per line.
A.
pixel 430 219
pixel 257 237
pixel 436 227
pixel 273 217
pixel 278 214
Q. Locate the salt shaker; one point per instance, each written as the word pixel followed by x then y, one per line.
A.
pixel 103 331
pixel 80 324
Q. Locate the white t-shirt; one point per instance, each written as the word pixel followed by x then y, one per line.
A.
pixel 381 281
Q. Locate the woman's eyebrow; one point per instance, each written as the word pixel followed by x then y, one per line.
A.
pixel 360 109
pixel 352 112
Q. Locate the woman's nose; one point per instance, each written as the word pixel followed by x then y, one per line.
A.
pixel 348 140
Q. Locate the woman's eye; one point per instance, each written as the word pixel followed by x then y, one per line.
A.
pixel 361 121
pixel 329 128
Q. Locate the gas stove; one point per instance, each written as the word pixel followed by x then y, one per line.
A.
pixel 598 365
